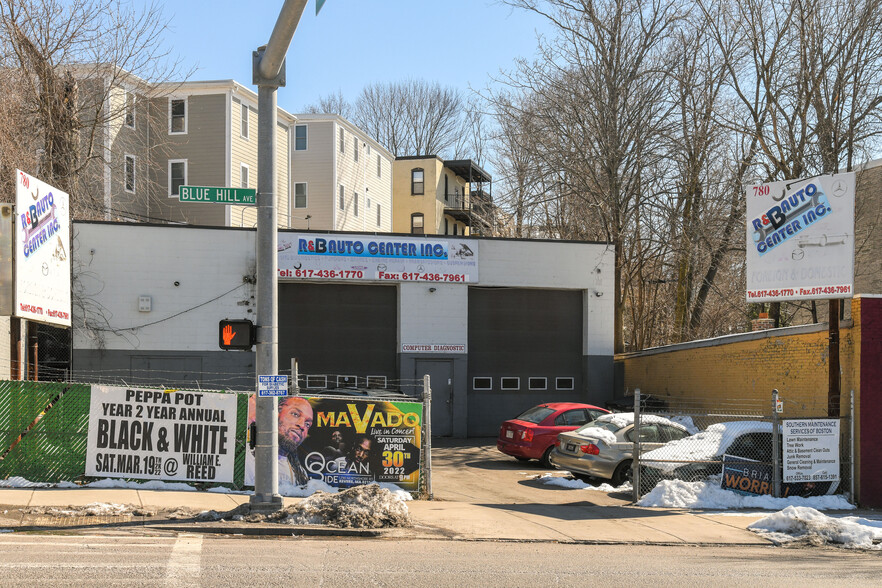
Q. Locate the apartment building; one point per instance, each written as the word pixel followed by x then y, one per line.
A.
pixel 437 197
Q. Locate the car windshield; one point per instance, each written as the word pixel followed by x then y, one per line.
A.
pixel 535 415
pixel 606 425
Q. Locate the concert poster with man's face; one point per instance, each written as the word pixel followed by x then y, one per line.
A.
pixel 349 442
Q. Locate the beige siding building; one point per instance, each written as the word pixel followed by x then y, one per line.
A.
pixel 433 196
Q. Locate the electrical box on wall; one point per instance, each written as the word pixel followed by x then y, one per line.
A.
pixel 145 303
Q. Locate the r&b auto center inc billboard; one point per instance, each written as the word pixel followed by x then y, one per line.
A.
pixel 384 258
pixel 42 252
pixel 800 239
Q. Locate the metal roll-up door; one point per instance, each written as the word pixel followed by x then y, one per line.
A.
pixel 518 339
pixel 339 330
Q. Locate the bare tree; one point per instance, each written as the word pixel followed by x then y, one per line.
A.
pixel 331 104
pixel 64 62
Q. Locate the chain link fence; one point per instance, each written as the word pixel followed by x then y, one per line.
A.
pixel 748 446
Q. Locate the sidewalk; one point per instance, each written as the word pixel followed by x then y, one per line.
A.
pixel 576 522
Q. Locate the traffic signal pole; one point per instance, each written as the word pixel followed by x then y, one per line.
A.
pixel 268 72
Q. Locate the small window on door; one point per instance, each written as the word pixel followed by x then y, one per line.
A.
pixel 565 383
pixel 482 383
pixel 510 383
pixel 376 381
pixel 316 382
pixel 538 383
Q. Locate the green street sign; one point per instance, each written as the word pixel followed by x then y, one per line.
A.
pixel 217 195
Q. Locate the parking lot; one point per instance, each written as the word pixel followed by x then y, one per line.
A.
pixel 474 471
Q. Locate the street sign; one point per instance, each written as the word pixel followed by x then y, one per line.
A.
pixel 217 195
pixel 272 385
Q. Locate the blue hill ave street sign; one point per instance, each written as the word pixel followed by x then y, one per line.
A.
pixel 217 195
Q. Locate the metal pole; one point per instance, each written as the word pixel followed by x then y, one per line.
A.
pixel 427 432
pixel 635 457
pixel 268 73
pixel 295 374
pixel 23 367
pixel 776 448
pixel 851 446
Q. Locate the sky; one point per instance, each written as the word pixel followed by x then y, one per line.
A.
pixel 352 43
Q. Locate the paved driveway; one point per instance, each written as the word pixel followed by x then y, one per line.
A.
pixel 474 471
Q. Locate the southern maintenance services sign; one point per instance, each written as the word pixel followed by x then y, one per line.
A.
pixel 800 239
pixel 378 258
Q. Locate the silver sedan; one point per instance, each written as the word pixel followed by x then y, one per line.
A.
pixel 603 448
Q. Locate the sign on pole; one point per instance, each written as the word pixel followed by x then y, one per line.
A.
pixel 217 195
pixel 42 252
pixel 800 239
pixel 811 450
pixel 272 385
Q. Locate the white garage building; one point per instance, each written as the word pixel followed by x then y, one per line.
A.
pixel 498 324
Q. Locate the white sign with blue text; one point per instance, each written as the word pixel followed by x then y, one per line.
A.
pixel 382 258
pixel 272 385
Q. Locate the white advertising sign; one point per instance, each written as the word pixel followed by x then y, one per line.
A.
pixel 800 239
pixel 158 435
pixel 811 450
pixel 42 252
pixel 388 258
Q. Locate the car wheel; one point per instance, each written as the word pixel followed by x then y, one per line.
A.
pixel 622 473
pixel 545 460
pixel 521 458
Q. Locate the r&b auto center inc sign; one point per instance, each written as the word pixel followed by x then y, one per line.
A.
pixel 800 239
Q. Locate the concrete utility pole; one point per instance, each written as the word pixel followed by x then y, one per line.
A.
pixel 268 72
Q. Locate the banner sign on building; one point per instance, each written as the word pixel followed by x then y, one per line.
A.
pixel 161 435
pixel 811 450
pixel 387 258
pixel 42 252
pixel 346 442
pixel 800 239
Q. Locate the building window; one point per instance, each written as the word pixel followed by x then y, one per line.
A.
pixel 379 166
pixel 300 195
pixel 482 383
pixel 342 142
pixel 177 175
pixel 565 383
pixel 416 224
pixel 130 173
pixel 538 383
pixel 316 382
pixel 510 383
pixel 300 138
pixel 355 148
pixel 342 200
pixel 355 203
pixel 130 110
pixel 378 215
pixel 177 116
pixel 446 197
pixel 244 118
pixel 347 381
pixel 376 381
pixel 243 176
pixel 417 181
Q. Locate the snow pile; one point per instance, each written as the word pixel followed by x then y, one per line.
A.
pixel 19 482
pixel 708 494
pixel 710 443
pixel 362 507
pixel 576 484
pixel 807 524
pixel 150 485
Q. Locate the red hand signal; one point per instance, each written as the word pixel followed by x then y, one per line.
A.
pixel 228 334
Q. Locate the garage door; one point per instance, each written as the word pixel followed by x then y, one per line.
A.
pixel 525 347
pixel 339 330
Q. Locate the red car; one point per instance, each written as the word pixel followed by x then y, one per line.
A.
pixel 532 434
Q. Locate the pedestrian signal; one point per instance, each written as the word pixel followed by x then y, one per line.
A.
pixel 238 334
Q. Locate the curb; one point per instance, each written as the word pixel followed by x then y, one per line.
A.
pixel 267 530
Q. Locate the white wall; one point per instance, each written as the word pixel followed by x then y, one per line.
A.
pixel 115 264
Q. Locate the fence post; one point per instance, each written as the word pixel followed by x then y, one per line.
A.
pixel 635 457
pixel 295 387
pixel 427 432
pixel 776 448
pixel 851 446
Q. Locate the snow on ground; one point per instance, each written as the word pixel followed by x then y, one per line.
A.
pixel 575 484
pixel 94 509
pixel 19 482
pixel 680 494
pixel 807 524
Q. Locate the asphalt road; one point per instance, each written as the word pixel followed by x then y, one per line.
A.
pixel 194 560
